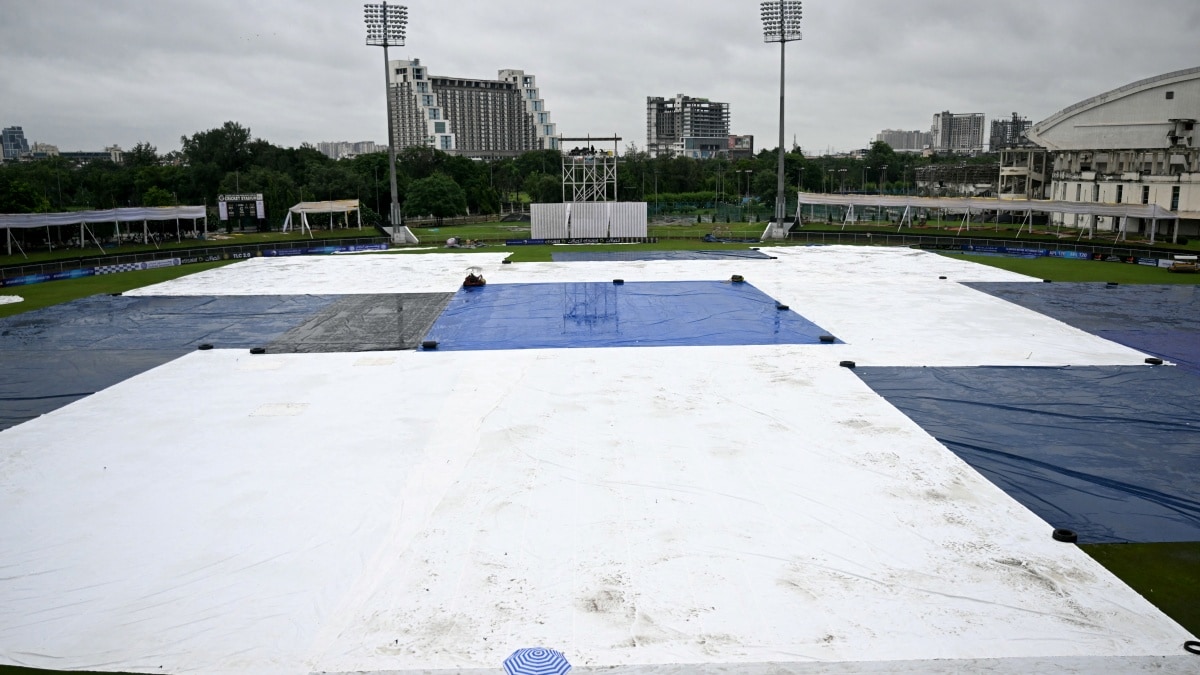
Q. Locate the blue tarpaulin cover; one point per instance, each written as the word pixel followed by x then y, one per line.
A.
pixel 1163 320
pixel 662 313
pixel 1110 452
pixel 53 356
pixel 36 382
pixel 56 355
pixel 603 256
pixel 158 322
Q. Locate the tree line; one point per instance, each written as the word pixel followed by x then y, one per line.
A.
pixel 228 159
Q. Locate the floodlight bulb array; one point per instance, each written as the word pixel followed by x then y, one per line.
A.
pixel 781 20
pixel 385 24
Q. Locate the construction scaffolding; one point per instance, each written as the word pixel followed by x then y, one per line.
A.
pixel 1024 174
pixel 957 180
pixel 588 174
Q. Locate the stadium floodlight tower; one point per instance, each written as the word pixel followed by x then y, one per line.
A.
pixel 385 27
pixel 781 23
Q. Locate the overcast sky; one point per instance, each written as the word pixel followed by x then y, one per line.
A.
pixel 83 74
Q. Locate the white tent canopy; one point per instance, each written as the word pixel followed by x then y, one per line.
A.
pixel 143 214
pixel 135 214
pixel 343 206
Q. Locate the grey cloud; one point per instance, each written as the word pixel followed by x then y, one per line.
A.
pixel 83 74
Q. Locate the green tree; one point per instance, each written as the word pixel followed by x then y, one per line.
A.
pixel 110 184
pixel 228 148
pixel 157 196
pixel 632 170
pixel 544 189
pixel 507 179
pixel 18 196
pixel 332 180
pixel 142 154
pixel 420 161
pixel 437 195
pixel 881 155
pixel 372 172
pixel 481 197
pixel 539 161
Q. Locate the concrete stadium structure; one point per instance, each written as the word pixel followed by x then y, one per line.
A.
pixel 1133 145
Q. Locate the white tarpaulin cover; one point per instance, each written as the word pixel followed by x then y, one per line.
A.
pixel 123 215
pixel 749 509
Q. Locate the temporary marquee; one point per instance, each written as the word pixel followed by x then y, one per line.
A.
pixel 343 206
pixel 143 214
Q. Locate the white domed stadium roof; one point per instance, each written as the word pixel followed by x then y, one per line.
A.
pixel 1135 116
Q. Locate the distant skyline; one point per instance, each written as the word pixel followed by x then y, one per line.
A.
pixel 83 75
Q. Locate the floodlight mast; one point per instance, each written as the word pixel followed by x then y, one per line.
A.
pixel 385 27
pixel 781 23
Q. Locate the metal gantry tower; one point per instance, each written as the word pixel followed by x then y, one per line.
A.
pixel 589 174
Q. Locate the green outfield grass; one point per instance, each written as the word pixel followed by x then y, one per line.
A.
pixel 37 296
pixel 1060 269
pixel 1168 575
pixel 489 232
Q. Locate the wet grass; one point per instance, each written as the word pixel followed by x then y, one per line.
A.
pixel 1062 269
pixel 37 296
pixel 1168 575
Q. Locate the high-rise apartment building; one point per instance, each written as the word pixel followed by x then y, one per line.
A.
pixel 535 106
pixel 904 141
pixel 340 149
pixel 686 126
pixel 468 117
pixel 14 143
pixel 1010 133
pixel 957 132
